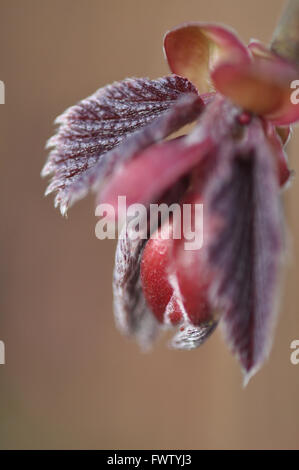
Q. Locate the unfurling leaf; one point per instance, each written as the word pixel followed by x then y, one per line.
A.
pixel 132 314
pixel 246 251
pixel 88 143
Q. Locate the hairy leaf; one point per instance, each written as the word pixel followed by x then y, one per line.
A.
pixel 246 249
pixel 192 337
pixel 132 314
pixel 111 124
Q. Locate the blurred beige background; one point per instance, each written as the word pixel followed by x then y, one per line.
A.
pixel 71 380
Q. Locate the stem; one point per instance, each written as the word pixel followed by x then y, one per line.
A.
pixel 285 40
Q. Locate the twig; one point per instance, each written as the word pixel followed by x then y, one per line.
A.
pixel 285 40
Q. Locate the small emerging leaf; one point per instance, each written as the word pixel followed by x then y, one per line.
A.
pixel 194 49
pixel 132 314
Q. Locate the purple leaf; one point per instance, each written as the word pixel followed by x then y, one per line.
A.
pixel 113 123
pixel 132 314
pixel 243 197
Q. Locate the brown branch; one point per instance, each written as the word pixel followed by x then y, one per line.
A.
pixel 285 40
